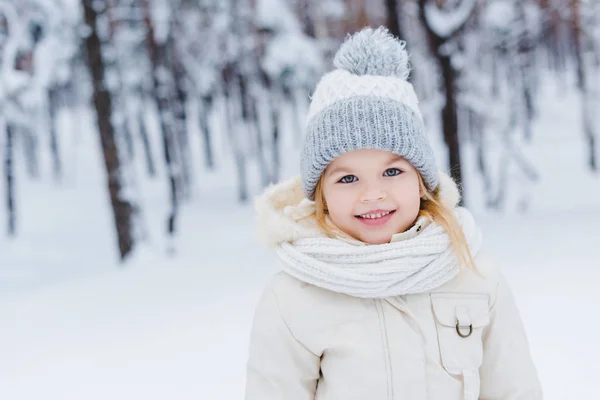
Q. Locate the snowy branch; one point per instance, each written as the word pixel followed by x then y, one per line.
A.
pixel 444 23
pixel 275 15
pixel 12 82
pixel 160 12
pixel 295 55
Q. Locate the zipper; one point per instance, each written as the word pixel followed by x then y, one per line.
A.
pixel 386 349
pixel 400 304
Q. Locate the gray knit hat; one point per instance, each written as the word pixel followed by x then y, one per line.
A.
pixel 366 102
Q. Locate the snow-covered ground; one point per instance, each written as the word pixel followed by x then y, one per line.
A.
pixel 74 324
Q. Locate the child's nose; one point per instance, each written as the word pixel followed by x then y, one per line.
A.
pixel 372 194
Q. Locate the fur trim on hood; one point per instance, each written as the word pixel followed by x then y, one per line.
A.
pixel 285 215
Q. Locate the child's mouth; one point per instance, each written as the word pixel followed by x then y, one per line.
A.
pixel 376 219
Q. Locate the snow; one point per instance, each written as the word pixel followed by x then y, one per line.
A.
pixel 75 324
pixel 276 15
pixel 334 9
pixel 11 81
pixel 445 22
pixel 498 15
pixel 160 12
pixel 295 57
pixel 503 17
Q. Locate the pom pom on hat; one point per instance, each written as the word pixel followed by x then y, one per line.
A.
pixel 373 52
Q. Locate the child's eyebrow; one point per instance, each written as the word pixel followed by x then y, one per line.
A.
pixel 395 158
pixel 338 170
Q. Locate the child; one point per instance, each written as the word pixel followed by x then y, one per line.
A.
pixel 384 294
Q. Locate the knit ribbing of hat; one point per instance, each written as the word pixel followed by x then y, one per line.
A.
pixel 365 122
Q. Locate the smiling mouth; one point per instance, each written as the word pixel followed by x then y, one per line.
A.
pixel 375 215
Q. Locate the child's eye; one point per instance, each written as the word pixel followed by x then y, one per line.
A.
pixel 348 179
pixel 392 172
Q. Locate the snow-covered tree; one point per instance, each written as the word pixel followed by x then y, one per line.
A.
pixel 444 24
pixel 123 209
pixel 585 17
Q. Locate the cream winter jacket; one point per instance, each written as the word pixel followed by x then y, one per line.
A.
pixel 464 340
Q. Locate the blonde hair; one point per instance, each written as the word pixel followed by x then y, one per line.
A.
pixel 431 207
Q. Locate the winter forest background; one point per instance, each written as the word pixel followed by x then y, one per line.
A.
pixel 134 135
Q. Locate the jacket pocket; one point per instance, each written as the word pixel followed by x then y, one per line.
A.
pixel 459 320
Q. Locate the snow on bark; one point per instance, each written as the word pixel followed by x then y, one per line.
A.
pixel 276 16
pixel 446 22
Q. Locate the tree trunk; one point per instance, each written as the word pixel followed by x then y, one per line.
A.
pixel 180 114
pixel 205 108
pixel 122 209
pixel 448 114
pixel 525 66
pixel 9 175
pixel 240 157
pixel 162 93
pixel 53 107
pixel 393 18
pixel 29 143
pixel 450 121
pixel 276 99
pixel 252 123
pixel 146 144
pixel 479 134
pixel 234 120
pixel 587 101
pixel 238 75
pixel 306 17
pixel 124 128
pixel 292 96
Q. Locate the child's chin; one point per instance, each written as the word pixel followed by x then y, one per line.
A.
pixel 380 239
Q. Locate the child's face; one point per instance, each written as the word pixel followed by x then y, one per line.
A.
pixel 371 194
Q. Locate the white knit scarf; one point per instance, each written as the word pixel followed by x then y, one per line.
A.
pixel 414 265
